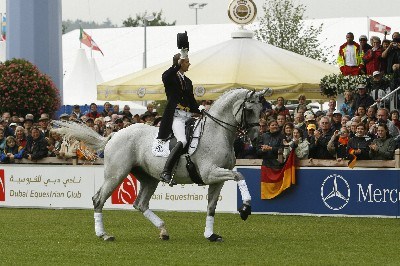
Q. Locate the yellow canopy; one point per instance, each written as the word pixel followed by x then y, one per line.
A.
pixel 239 62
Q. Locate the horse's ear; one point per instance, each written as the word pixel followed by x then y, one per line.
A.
pixel 252 93
pixel 266 92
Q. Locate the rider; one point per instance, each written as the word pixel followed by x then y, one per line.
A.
pixel 181 106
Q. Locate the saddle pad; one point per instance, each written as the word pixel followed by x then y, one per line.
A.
pixel 160 148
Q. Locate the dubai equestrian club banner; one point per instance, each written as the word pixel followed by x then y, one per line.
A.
pixel 318 191
pixel 73 187
pixel 332 191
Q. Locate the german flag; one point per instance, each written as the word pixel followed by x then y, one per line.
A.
pixel 353 159
pixel 275 181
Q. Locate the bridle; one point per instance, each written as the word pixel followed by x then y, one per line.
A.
pixel 243 126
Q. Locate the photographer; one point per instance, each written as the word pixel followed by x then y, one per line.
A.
pixel 392 55
pixel 181 106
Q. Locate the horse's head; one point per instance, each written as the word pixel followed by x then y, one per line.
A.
pixel 247 112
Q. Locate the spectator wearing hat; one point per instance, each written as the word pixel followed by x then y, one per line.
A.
pixel 373 57
pixel 77 111
pixel 362 98
pixel 364 45
pixel 336 121
pixel 44 125
pixel 350 57
pixel 310 137
pixel 28 123
pixel 126 112
pixel 93 113
pixel 379 89
pixel 64 117
pixel 36 146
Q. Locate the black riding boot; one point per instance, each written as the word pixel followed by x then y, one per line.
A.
pixel 166 175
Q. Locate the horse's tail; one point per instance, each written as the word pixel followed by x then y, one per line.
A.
pixel 79 131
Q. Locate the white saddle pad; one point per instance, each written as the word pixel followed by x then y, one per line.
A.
pixel 160 148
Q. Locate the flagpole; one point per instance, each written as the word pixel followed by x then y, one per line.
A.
pixel 368 28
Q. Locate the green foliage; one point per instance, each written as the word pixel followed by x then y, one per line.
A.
pixel 24 89
pixel 70 25
pixel 334 84
pixel 138 20
pixel 283 26
pixel 66 237
pixel 160 106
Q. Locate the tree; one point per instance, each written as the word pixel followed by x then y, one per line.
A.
pixel 283 26
pixel 138 20
pixel 24 89
pixel 70 25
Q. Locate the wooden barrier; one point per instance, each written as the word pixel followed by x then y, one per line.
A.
pixel 242 162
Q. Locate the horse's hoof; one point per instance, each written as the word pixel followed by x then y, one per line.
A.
pixel 215 238
pixel 164 237
pixel 245 211
pixel 106 237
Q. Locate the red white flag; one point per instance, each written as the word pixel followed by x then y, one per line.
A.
pixel 378 27
pixel 87 40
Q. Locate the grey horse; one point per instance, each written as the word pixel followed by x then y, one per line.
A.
pixel 129 151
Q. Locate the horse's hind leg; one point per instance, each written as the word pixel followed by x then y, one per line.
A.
pixel 214 191
pixel 109 185
pixel 148 186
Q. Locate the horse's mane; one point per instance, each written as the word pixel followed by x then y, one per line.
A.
pixel 235 92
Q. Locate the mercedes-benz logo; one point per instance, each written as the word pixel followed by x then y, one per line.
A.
pixel 335 192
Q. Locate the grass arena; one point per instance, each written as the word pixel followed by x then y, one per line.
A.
pixel 53 233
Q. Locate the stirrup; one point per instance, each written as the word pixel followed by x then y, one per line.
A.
pixel 167 178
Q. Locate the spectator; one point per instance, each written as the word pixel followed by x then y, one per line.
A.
pixel 281 120
pixel 287 133
pixel 361 112
pixel 310 138
pixel 336 121
pixel 77 111
pixel 382 148
pixel 392 55
pixel 99 123
pixel 359 144
pixel 385 45
pixel 93 111
pixel 372 57
pixel 300 123
pixel 64 117
pixel 8 131
pixel 115 109
pixel 379 89
pixel 331 107
pixel 364 45
pixel 347 107
pixel 318 146
pixel 44 125
pixel 372 129
pixel 269 145
pixel 150 108
pixel 350 57
pixel 28 124
pixel 302 104
pixel 362 98
pixel 344 120
pixel 300 145
pixel 119 124
pixel 2 140
pixel 11 151
pixel 382 115
pixel 107 111
pixel 126 112
pixel 337 145
pixel 394 117
pixel 353 128
pixel 36 146
pixel 371 113
pixel 280 108
pixel 20 136
pixel 89 122
pixel 54 143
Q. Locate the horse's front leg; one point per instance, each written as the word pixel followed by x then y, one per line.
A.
pixel 222 174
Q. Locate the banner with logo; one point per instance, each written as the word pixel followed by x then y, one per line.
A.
pixel 54 186
pixel 333 191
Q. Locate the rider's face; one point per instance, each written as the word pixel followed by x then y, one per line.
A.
pixel 185 64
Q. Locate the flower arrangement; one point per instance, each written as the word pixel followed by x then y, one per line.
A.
pixel 24 89
pixel 334 84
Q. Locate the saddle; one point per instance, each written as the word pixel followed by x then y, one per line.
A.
pixel 162 148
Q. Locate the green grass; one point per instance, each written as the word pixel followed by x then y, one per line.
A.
pixel 53 237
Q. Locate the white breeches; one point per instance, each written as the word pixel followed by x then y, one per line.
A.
pixel 178 125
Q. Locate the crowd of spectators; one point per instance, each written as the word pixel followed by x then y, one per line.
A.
pixel 34 138
pixel 368 132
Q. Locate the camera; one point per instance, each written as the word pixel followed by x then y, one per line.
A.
pixel 182 41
